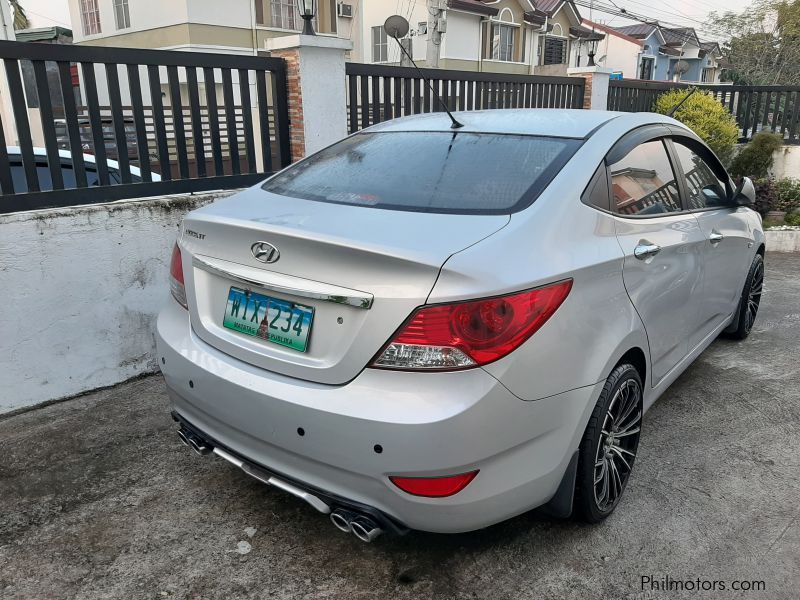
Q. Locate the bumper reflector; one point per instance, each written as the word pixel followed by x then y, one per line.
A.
pixel 434 487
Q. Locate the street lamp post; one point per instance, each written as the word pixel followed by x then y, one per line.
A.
pixel 307 10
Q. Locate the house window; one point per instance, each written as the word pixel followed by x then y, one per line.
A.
pixel 380 45
pixel 503 42
pixel 90 17
pixel 646 68
pixel 284 14
pixel 121 14
pixel 555 51
pixel 708 75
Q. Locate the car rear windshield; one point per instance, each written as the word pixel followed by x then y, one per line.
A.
pixel 467 173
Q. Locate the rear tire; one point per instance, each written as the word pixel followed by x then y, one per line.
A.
pixel 746 312
pixel 609 445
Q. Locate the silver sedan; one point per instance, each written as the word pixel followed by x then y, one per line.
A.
pixel 420 327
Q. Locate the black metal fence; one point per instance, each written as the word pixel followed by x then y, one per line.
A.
pixel 121 123
pixel 378 93
pixel 756 108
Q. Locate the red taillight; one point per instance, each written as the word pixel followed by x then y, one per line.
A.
pixel 434 487
pixel 473 333
pixel 176 284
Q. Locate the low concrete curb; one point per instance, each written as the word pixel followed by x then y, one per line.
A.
pixel 783 240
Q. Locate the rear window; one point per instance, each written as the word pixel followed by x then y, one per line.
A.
pixel 468 173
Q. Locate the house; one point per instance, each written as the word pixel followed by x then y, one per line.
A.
pixel 505 36
pixel 617 51
pixel 234 26
pixel 672 54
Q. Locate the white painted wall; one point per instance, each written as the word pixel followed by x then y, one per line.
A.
pixel 782 241
pixel 462 40
pixel 375 12
pixel 80 290
pixel 145 14
pixel 786 162
pixel 620 55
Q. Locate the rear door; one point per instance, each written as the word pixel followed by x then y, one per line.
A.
pixel 662 242
pixel 728 247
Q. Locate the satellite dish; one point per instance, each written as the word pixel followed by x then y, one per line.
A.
pixel 681 66
pixel 396 27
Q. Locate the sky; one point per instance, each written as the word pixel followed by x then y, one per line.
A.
pixel 43 13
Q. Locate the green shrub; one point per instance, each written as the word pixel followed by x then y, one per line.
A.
pixel 755 159
pixel 766 196
pixel 793 219
pixel 788 194
pixel 706 117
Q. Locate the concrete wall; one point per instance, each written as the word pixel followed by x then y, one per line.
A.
pixel 786 162
pixel 80 289
pixel 778 240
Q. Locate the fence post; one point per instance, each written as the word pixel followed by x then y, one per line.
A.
pixel 316 85
pixel 595 91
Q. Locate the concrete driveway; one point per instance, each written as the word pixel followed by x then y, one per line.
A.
pixel 98 499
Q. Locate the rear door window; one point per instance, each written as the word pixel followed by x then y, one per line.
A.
pixel 643 182
pixel 444 172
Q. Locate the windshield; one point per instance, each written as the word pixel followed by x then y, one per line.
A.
pixel 468 173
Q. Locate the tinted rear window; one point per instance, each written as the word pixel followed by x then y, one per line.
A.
pixel 429 171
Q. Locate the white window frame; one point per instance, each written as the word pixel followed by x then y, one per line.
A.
pixel 284 15
pixel 90 17
pixel 380 45
pixel 122 15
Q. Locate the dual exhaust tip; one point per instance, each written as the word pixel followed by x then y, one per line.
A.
pixel 199 446
pixel 361 526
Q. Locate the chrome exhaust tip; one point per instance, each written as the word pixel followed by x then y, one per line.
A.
pixel 341 519
pixel 184 439
pixel 199 447
pixel 365 529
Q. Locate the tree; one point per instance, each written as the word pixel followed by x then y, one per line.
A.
pixel 763 44
pixel 20 18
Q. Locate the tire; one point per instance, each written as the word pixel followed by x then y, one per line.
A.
pixel 605 461
pixel 749 301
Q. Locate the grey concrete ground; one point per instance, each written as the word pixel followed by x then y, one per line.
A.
pixel 98 499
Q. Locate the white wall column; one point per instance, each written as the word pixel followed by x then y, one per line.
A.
pixel 317 86
pixel 595 94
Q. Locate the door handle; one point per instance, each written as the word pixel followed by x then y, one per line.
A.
pixel 715 238
pixel 645 250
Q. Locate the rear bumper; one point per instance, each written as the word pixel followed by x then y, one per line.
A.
pixel 381 423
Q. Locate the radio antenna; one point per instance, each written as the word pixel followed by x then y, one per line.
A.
pixel 397 27
pixel 674 109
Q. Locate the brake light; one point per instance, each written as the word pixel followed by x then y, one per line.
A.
pixel 472 333
pixel 176 284
pixel 434 487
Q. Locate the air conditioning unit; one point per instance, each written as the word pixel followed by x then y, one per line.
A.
pixel 345 10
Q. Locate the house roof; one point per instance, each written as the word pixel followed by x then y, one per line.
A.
pixel 711 48
pixel 585 33
pixel 679 36
pixel 639 31
pixel 550 7
pixel 610 31
pixel 473 6
pixel 669 51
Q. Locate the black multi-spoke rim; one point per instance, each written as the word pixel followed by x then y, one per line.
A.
pixel 619 441
pixel 754 297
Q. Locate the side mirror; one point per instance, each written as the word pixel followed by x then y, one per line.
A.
pixel 745 194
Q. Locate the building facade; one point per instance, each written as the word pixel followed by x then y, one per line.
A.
pixel 672 54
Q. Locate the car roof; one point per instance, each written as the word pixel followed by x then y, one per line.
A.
pixel 89 159
pixel 551 122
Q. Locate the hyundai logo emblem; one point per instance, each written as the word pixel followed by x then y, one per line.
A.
pixel 265 252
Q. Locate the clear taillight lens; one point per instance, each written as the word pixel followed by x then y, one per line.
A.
pixel 176 284
pixel 469 334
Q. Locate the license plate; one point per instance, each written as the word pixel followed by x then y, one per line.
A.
pixel 271 319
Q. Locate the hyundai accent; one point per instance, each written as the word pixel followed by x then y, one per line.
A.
pixel 429 328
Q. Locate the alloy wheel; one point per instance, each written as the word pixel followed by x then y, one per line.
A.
pixel 754 296
pixel 618 444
